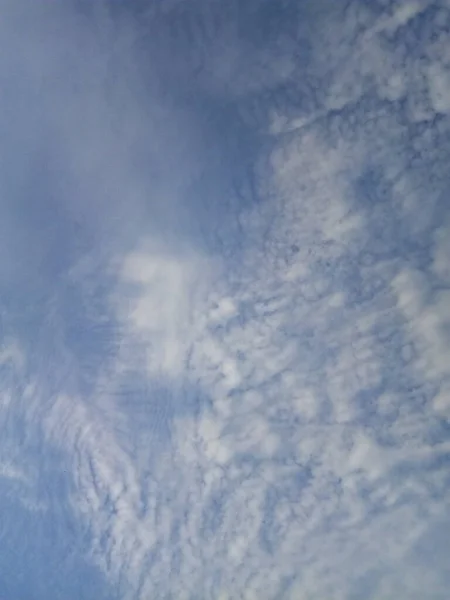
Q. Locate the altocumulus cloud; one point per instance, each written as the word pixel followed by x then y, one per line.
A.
pixel 225 300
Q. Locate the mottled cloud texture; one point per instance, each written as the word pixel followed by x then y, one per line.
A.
pixel 225 300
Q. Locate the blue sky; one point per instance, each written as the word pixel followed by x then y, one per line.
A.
pixel 224 300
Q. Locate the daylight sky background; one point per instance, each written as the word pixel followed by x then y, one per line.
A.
pixel 224 300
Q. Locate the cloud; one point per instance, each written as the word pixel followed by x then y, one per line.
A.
pixel 161 310
pixel 260 412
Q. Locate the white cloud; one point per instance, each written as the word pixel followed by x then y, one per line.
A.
pixel 312 455
pixel 162 309
pixel 428 322
pixel 403 14
pixel 441 252
pixel 11 353
pixel 439 85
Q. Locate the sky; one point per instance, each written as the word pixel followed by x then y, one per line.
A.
pixel 224 300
